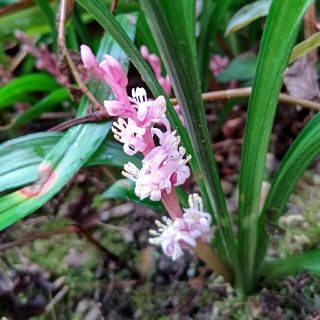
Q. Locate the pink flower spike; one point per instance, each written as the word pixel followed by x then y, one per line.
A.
pixel 130 135
pixel 144 52
pixel 114 70
pixel 218 64
pixel 165 84
pixel 155 64
pixel 182 233
pixel 90 62
pixel 148 112
pixel 162 168
pixel 171 237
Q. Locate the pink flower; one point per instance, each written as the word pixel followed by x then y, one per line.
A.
pixel 109 70
pixel 163 167
pixel 143 111
pixel 45 60
pixel 198 221
pixel 182 233
pixel 155 64
pixel 218 64
pixel 130 135
pixel 171 239
pixel 148 111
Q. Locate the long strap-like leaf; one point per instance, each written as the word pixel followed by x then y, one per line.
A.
pixel 70 154
pixel 277 42
pixel 176 42
pixel 302 152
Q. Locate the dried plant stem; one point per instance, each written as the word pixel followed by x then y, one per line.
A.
pixel 94 117
pixel 114 5
pixel 310 28
pixel 205 252
pixel 64 53
pixel 208 96
pixel 15 7
pixel 246 92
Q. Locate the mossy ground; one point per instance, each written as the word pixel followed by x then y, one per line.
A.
pixel 95 287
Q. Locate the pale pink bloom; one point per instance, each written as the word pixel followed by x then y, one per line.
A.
pixel 171 238
pixel 116 108
pixel 130 135
pixel 198 221
pixel 90 62
pixel 178 111
pixel 155 64
pixel 162 168
pixel 182 233
pixel 109 70
pixel 45 60
pixel 149 112
pixel 218 64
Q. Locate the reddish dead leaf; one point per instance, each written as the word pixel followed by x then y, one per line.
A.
pixel 42 185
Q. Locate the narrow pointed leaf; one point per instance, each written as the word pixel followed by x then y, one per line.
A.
pixel 298 158
pixel 68 156
pixel 22 156
pixel 176 42
pixel 305 46
pixel 308 261
pixel 36 82
pixel 248 14
pixel 278 38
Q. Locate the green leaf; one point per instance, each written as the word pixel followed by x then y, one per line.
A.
pixel 48 13
pixel 248 14
pixel 176 42
pixel 29 20
pixel 36 82
pixel 278 38
pixel 56 97
pixel 213 13
pixel 305 46
pixel 242 68
pixel 144 35
pixel 22 156
pixel 124 189
pixel 68 156
pixel 308 261
pixel 298 158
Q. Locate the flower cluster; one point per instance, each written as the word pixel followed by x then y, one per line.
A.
pixel 45 60
pixel 142 127
pixel 155 64
pixel 182 233
pixel 164 166
pixel 218 64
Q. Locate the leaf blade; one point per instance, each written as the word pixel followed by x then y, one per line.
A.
pixel 248 14
pixel 308 261
pixel 65 159
pixel 277 41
